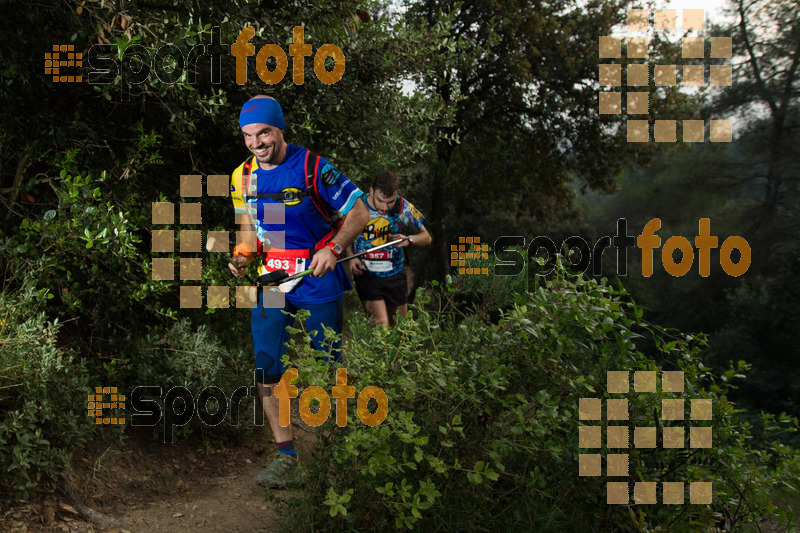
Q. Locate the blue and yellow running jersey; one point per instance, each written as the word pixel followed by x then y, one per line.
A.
pixel 301 224
pixel 385 263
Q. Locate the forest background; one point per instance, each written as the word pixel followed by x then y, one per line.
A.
pixel 488 111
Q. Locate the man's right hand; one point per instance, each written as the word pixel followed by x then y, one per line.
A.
pixel 356 266
pixel 241 261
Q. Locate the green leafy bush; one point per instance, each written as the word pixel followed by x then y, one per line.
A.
pixel 43 392
pixel 482 427
pixel 87 253
pixel 192 356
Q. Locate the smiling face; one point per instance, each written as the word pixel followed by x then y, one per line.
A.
pixel 266 143
pixel 381 202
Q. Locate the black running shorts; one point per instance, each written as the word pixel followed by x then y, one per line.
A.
pixel 393 289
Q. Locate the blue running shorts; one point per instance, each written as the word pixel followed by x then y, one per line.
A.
pixel 268 327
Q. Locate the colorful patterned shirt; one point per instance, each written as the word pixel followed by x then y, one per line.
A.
pixel 387 262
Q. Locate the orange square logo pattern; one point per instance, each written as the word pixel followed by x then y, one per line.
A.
pixel 103 400
pixel 636 46
pixel 191 240
pixel 616 437
pixel 468 248
pixel 61 62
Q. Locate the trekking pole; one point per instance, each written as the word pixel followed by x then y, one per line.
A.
pixel 210 245
pixel 281 276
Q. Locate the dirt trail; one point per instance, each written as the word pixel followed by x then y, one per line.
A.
pixel 147 486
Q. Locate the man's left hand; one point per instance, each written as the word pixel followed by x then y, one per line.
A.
pixel 324 261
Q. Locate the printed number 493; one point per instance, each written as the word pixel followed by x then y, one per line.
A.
pixel 278 263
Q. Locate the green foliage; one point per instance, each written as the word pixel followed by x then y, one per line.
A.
pixel 506 102
pixel 751 317
pixel 482 426
pixel 518 84
pixel 42 396
pixel 81 163
pixel 762 325
pixel 86 253
pixel 766 90
pixel 195 358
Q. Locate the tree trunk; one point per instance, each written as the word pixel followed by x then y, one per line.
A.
pixel 765 231
pixel 441 179
pixel 438 213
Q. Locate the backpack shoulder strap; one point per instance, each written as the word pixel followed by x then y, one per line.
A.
pixel 248 165
pixel 312 187
pixel 397 209
pixel 240 175
pixel 244 175
pixel 312 183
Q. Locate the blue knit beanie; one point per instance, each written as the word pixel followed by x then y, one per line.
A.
pixel 262 111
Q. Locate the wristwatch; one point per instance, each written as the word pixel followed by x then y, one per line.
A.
pixel 337 250
pixel 411 239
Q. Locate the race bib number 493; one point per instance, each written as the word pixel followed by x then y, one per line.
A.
pixel 278 264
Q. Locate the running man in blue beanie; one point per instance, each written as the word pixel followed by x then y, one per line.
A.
pixel 271 196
